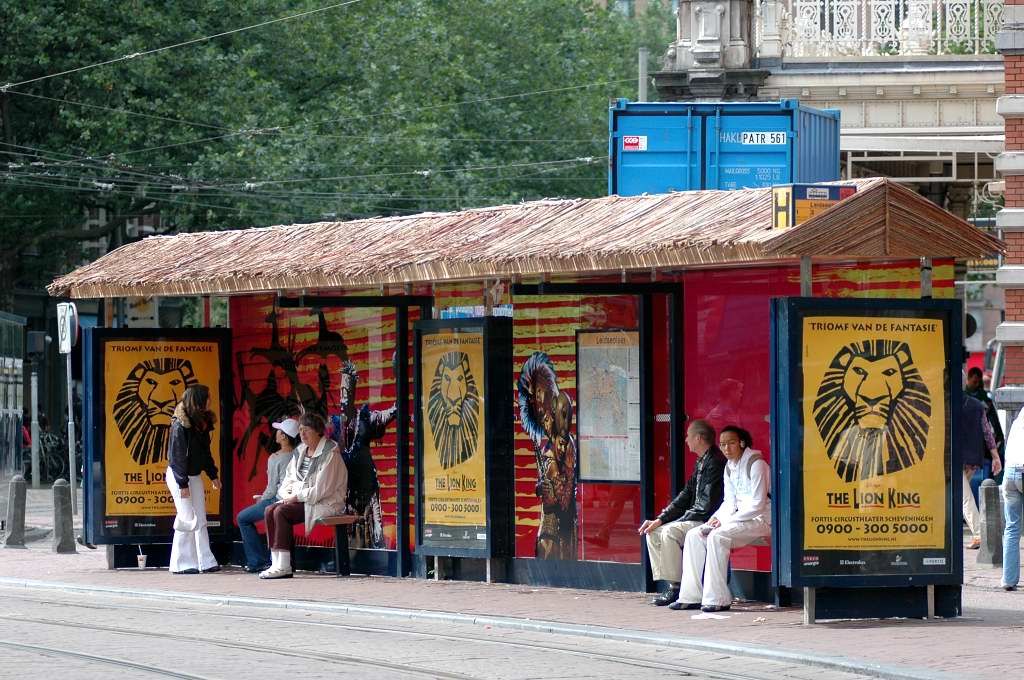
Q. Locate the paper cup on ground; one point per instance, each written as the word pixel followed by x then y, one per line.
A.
pixel 142 561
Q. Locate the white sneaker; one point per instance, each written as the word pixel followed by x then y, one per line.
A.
pixel 276 572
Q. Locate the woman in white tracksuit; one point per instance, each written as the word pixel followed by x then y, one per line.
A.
pixel 189 455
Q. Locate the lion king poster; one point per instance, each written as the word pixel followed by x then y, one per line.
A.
pixel 452 413
pixel 874 440
pixel 143 382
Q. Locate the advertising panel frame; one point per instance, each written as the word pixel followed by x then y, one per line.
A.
pixel 788 503
pixel 498 433
pixel 596 332
pixel 94 434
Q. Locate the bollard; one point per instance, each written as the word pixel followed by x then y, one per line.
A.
pixel 991 502
pixel 16 514
pixel 63 522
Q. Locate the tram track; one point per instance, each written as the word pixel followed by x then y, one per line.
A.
pixel 678 669
pixel 96 658
pixel 341 659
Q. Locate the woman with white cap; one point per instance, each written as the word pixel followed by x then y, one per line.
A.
pixel 257 555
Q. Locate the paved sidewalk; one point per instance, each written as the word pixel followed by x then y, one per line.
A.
pixel 984 643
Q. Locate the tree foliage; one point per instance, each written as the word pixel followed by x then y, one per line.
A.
pixel 376 108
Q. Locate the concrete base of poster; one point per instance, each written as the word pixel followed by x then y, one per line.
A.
pixel 914 602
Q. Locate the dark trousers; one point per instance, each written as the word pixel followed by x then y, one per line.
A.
pixel 280 517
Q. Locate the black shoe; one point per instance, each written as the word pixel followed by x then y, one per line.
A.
pixel 1009 588
pixel 186 571
pixel 676 606
pixel 211 570
pixel 712 608
pixel 666 598
pixel 256 570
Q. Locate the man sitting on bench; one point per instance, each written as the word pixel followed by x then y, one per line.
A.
pixel 314 487
pixel 743 518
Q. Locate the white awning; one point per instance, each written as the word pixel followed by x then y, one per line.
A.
pixel 908 142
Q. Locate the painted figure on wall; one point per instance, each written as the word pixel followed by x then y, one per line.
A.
pixel 283 395
pixel 292 361
pixel 355 430
pixel 546 414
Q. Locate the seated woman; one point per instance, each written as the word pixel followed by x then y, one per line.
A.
pixel 314 486
pixel 257 556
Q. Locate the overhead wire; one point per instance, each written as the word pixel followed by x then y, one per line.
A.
pixel 193 41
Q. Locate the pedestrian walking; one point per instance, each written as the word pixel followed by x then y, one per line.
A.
pixel 189 455
pixel 1013 503
pixel 976 437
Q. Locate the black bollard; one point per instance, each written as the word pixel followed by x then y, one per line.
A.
pixel 63 522
pixel 16 513
pixel 991 503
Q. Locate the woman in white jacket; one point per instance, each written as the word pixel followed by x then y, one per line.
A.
pixel 314 486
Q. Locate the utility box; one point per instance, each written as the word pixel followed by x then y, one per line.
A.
pixel 680 146
pixel 794 204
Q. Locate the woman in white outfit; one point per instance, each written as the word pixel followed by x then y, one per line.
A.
pixel 188 455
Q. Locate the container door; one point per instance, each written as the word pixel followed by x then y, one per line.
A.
pixel 748 151
pixel 656 154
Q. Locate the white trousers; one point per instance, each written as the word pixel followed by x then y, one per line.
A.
pixel 190 549
pixel 971 512
pixel 665 550
pixel 706 561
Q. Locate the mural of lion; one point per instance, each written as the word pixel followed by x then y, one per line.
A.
pixel 872 410
pixel 453 409
pixel 145 404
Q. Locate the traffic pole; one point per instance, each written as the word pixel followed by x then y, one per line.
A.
pixel 72 472
pixel 36 472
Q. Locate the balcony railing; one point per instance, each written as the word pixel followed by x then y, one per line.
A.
pixel 867 28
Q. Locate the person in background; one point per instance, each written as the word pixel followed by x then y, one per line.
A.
pixel 188 456
pixel 1013 503
pixel 315 485
pixel 976 437
pixel 257 555
pixel 975 386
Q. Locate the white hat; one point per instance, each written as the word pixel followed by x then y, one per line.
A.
pixel 289 426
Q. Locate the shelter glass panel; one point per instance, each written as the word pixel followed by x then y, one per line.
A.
pixel 288 361
pixel 555 513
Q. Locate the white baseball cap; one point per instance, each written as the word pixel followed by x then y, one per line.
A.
pixel 289 426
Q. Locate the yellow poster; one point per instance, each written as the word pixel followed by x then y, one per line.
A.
pixel 874 433
pixel 454 471
pixel 143 382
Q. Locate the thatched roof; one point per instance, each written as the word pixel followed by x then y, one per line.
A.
pixel 549 237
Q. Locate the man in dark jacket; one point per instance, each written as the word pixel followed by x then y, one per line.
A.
pixel 692 507
pixel 976 438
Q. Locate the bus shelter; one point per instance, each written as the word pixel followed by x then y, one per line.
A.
pixel 626 317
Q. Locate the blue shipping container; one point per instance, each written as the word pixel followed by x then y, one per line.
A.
pixel 659 147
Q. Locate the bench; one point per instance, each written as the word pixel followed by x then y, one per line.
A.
pixel 342 566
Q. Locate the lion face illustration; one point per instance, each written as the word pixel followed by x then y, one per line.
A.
pixel 145 404
pixel 453 409
pixel 874 385
pixel 872 410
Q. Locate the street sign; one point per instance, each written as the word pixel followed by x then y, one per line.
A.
pixel 67 326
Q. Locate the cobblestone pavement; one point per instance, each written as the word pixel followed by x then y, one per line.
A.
pixel 981 644
pixel 93 634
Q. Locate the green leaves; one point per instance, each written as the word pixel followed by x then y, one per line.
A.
pixel 381 107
